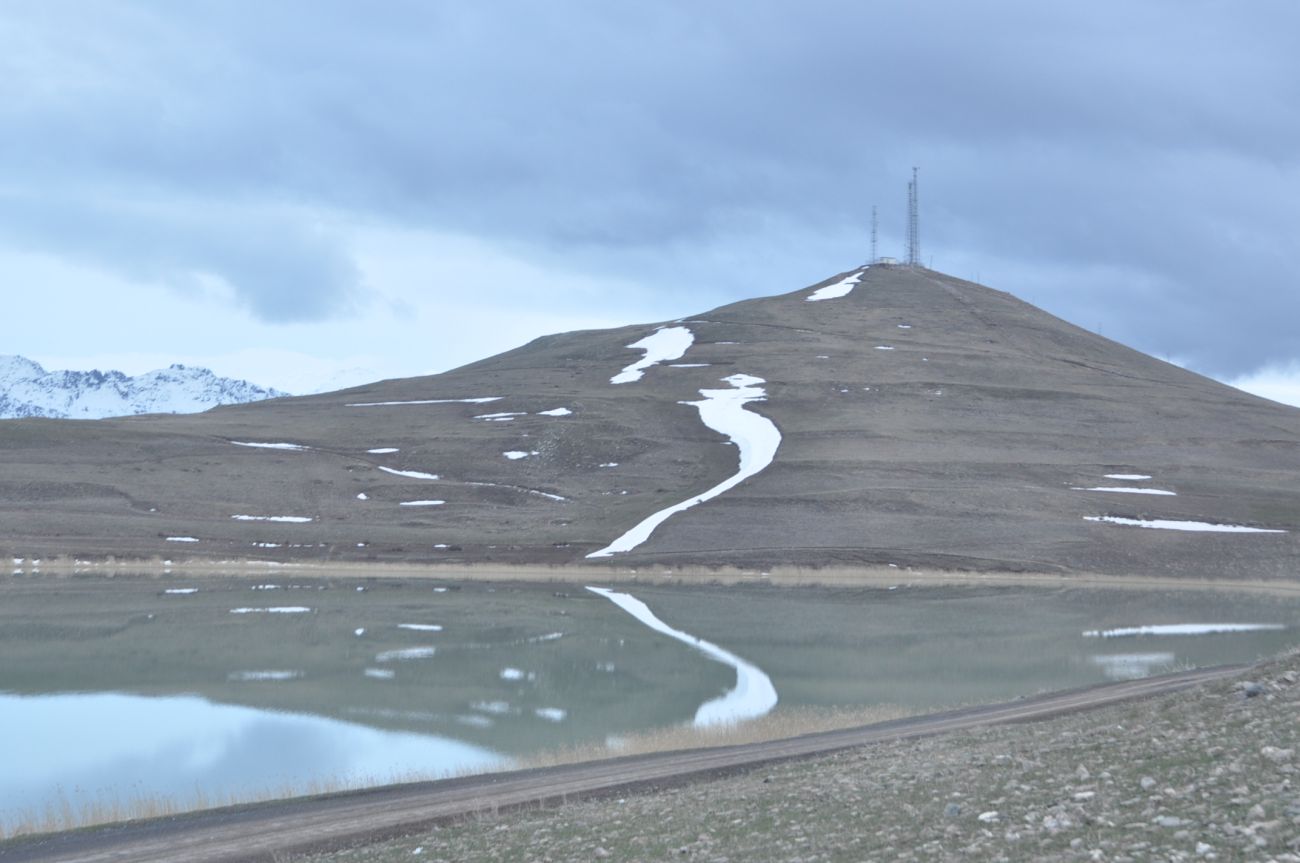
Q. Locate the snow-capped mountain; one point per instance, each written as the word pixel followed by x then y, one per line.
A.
pixel 28 390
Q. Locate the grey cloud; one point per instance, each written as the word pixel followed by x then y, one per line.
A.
pixel 713 148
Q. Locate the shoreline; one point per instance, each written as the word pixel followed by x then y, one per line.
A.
pixel 685 576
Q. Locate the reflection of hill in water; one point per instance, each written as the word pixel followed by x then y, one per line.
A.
pixel 498 677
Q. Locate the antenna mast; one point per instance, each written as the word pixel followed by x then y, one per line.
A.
pixel 874 226
pixel 913 224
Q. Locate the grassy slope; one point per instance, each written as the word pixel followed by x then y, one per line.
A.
pixel 1206 774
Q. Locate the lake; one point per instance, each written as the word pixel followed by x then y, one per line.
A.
pixel 211 689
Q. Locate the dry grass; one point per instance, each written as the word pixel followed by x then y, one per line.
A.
pixel 71 814
pixel 777 725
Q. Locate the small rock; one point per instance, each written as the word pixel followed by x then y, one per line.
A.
pixel 1250 689
pixel 1082 774
pixel 1277 756
pixel 989 817
pixel 1147 783
pixel 952 810
pixel 1168 821
pixel 1085 795
pixel 1202 849
pixel 601 852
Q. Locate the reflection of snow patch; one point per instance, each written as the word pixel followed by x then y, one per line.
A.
pixel 551 714
pixel 405 653
pixel 755 436
pixel 664 344
pixel 498 708
pixel 1131 476
pixel 1182 629
pixel 751 697
pixel 410 474
pixel 1126 490
pixel 837 290
pixel 1131 666
pixel 245 676
pixel 512 674
pixel 284 446
pixel 1166 524
pixel 380 673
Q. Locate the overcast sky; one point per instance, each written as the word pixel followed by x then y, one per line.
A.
pixel 300 192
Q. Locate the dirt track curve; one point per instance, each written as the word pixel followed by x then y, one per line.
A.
pixel 269 832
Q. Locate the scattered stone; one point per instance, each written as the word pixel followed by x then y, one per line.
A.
pixel 952 810
pixel 1202 849
pixel 1250 689
pixel 1168 821
pixel 1147 783
pixel 1276 755
pixel 989 817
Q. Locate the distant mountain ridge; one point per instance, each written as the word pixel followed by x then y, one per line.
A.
pixel 27 389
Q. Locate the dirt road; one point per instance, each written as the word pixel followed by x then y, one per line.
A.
pixel 270 832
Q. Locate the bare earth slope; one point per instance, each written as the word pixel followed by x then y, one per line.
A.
pixel 925 421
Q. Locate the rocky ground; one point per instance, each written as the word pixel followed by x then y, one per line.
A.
pixel 1210 774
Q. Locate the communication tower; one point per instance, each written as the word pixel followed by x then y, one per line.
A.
pixel 875 224
pixel 913 224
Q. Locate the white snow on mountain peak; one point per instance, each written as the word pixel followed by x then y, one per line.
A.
pixel 28 390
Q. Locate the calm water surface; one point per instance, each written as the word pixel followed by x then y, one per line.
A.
pixel 120 688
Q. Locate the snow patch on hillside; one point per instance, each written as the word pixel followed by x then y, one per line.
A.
pixel 837 290
pixel 664 344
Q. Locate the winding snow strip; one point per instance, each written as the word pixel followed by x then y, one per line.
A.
pixel 664 344
pixel 421 627
pixel 288 519
pixel 752 696
pixel 755 435
pixel 555 412
pixel 1182 629
pixel 421 503
pixel 481 401
pixel 289 446
pixel 1129 476
pixel 182 539
pixel 383 450
pixel 1166 524
pixel 837 290
pixel 181 591
pixel 412 474
pixel 1126 490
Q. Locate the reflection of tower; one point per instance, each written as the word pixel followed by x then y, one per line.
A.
pixel 874 225
pixel 913 224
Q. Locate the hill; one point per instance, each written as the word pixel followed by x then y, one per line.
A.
pixel 910 418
